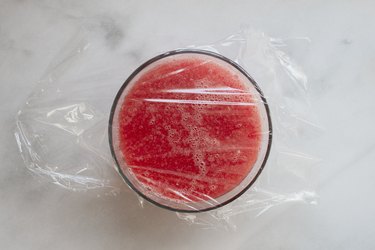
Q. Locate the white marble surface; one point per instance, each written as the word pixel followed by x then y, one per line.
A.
pixel 340 65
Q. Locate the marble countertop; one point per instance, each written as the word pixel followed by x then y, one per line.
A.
pixel 339 63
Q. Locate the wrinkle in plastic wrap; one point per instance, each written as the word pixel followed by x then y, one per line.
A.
pixel 62 129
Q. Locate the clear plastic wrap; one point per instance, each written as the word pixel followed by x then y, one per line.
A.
pixel 207 131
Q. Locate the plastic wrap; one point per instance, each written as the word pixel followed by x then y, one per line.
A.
pixel 206 131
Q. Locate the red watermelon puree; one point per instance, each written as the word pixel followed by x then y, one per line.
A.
pixel 189 128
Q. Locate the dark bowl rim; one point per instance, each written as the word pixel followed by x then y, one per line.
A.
pixel 176 52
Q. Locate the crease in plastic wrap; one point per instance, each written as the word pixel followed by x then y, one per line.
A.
pixel 208 131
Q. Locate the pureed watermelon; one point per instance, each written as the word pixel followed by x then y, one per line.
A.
pixel 187 129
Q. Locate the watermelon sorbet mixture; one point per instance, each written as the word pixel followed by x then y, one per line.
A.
pixel 188 128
